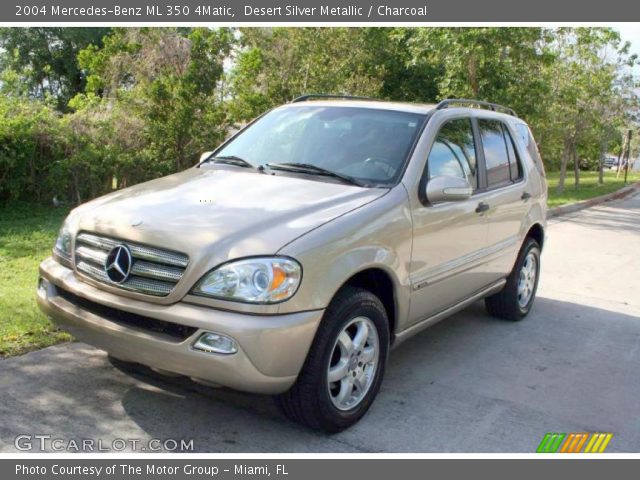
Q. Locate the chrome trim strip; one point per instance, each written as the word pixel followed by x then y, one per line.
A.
pixel 462 264
pixel 150 270
pixel 95 256
pixel 429 321
pixel 158 256
pixel 154 271
pixel 148 286
pixel 134 284
pixel 152 254
pixel 101 243
pixel 92 271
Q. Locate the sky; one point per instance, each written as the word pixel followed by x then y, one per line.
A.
pixel 631 33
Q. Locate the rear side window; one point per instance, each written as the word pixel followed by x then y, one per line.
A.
pixel 532 149
pixel 495 153
pixel 454 152
pixel 515 165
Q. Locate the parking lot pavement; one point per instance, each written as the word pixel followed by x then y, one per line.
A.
pixel 469 384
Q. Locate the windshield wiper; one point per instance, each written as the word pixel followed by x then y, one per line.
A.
pixel 231 160
pixel 314 170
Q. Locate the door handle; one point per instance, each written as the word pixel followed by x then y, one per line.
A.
pixel 482 207
pixel 526 196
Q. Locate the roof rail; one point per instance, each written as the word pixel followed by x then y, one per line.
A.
pixel 313 96
pixel 462 101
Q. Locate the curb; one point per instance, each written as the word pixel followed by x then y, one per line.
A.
pixel 574 207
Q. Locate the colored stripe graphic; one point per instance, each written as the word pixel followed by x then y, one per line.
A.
pixel 550 442
pixel 570 443
pixel 573 442
pixel 581 442
pixel 598 443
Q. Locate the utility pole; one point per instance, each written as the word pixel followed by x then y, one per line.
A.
pixel 626 163
pixel 624 154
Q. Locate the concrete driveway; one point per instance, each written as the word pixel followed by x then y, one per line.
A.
pixel 470 384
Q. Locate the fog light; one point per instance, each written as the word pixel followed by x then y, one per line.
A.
pixel 216 343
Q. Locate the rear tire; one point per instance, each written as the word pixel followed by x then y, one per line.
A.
pixel 515 300
pixel 345 365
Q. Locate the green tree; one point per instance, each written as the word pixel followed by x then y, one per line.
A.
pixel 168 80
pixel 27 146
pixel 44 60
pixel 590 94
pixel 84 111
pixel 496 64
pixel 274 65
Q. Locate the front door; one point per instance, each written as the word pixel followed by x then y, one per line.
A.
pixel 450 238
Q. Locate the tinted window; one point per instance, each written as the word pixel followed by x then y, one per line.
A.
pixel 532 149
pixel 365 143
pixel 453 152
pixel 514 159
pixel 495 153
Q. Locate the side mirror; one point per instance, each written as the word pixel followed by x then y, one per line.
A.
pixel 204 156
pixel 445 188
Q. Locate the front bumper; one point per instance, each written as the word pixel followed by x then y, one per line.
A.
pixel 271 349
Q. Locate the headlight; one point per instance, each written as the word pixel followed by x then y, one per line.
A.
pixel 63 242
pixel 255 280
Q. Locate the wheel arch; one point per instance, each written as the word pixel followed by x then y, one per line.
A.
pixel 379 282
pixel 536 231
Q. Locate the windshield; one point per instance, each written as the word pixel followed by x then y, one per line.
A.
pixel 366 144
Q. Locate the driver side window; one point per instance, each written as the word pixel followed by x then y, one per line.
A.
pixel 454 152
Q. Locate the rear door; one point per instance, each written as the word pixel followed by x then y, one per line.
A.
pixel 505 195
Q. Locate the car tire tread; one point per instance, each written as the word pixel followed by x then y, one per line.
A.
pixel 504 304
pixel 307 402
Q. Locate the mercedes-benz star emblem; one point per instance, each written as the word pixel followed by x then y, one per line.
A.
pixel 118 264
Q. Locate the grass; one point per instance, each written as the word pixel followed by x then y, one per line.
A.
pixel 27 234
pixel 589 187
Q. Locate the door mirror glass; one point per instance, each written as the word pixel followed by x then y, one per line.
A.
pixel 445 188
pixel 204 156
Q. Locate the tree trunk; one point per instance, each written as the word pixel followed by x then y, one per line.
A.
pixel 576 167
pixel 604 145
pixel 564 161
pixel 627 157
pixel 472 66
pixel 625 152
pixel 76 187
pixel 180 160
pixel 306 77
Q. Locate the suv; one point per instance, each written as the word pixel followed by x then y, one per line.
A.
pixel 292 258
pixel 610 161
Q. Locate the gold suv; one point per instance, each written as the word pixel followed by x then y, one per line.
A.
pixel 293 257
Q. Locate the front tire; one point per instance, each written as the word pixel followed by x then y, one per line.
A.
pixel 515 300
pixel 345 365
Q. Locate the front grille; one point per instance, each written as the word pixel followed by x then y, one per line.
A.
pixel 141 322
pixel 154 271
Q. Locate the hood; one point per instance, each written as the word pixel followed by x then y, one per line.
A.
pixel 217 213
